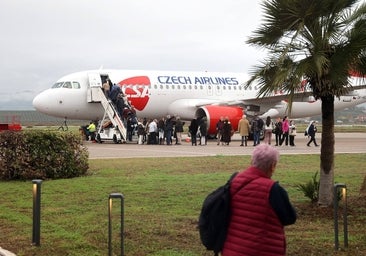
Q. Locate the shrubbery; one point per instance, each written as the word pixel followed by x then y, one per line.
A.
pixel 311 188
pixel 41 155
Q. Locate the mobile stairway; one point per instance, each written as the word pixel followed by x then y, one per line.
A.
pixel 111 127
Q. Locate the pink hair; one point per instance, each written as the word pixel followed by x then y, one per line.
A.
pixel 264 156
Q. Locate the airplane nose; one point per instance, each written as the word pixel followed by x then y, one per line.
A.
pixel 36 102
pixel 39 103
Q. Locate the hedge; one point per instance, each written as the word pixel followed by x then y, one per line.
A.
pixel 26 155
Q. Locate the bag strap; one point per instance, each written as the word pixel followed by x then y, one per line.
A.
pixel 229 182
pixel 242 185
pixel 232 176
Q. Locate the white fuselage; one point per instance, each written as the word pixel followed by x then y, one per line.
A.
pixel 155 94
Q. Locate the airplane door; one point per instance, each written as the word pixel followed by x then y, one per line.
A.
pixel 94 80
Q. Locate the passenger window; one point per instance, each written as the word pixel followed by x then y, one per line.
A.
pixel 184 87
pixel 201 87
pixel 75 85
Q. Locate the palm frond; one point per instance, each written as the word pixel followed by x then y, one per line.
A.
pixel 320 41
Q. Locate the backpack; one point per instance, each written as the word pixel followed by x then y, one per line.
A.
pixel 215 217
pixel 260 124
pixel 306 133
pixel 278 127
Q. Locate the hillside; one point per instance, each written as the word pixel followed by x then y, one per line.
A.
pixel 34 118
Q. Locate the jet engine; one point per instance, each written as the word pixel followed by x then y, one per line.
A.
pixel 213 114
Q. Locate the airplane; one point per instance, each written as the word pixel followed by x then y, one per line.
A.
pixel 156 94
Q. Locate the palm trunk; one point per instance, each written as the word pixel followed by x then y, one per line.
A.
pixel 327 152
pixel 363 187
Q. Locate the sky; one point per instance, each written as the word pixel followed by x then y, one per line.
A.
pixel 42 41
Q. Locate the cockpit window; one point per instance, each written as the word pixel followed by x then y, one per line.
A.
pixel 58 85
pixel 68 85
pixel 75 85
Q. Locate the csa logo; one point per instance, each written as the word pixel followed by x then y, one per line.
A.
pixel 137 90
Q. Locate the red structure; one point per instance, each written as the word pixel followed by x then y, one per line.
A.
pixel 14 125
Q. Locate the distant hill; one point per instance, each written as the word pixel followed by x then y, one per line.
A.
pixel 34 118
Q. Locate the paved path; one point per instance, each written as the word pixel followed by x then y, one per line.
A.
pixel 344 143
pixel 4 252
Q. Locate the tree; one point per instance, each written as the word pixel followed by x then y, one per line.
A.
pixel 363 187
pixel 319 42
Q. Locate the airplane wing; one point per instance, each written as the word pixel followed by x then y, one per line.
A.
pixel 276 104
pixel 306 96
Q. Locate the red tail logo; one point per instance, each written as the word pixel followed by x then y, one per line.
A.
pixel 137 91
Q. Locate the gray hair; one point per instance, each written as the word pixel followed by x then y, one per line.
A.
pixel 264 156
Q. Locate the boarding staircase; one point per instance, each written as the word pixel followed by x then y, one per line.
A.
pixel 111 114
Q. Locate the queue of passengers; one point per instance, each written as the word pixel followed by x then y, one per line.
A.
pixel 162 131
pixel 124 109
pixel 224 131
pixel 283 130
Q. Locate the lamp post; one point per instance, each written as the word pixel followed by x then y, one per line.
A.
pixel 36 233
pixel 110 201
pixel 343 188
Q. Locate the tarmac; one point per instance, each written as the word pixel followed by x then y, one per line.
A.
pixel 344 143
pixel 4 252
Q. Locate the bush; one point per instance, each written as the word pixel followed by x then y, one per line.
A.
pixel 41 155
pixel 311 189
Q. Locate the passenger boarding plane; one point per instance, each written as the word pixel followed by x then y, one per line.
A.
pixel 155 94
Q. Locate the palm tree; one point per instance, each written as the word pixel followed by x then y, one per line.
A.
pixel 317 41
pixel 363 187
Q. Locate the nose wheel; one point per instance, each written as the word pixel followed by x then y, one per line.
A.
pixel 98 138
pixel 115 140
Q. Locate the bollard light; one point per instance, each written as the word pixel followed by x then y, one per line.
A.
pixel 36 233
pixel 343 189
pixel 345 222
pixel 110 203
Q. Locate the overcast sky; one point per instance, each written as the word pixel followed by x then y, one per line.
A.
pixel 43 40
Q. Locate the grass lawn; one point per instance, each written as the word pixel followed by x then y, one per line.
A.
pixel 163 197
